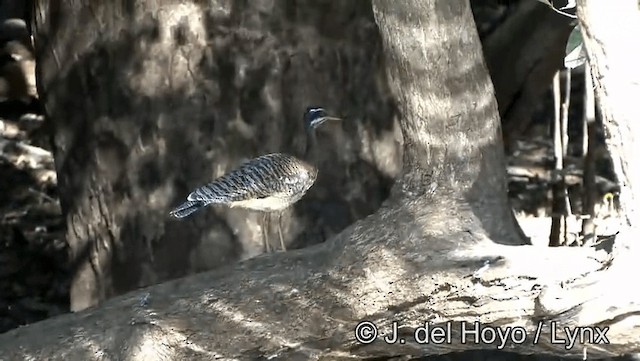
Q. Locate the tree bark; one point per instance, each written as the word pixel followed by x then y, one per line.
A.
pixel 609 33
pixel 148 102
pixel 450 161
pixel 431 253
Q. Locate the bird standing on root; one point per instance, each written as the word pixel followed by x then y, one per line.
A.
pixel 269 183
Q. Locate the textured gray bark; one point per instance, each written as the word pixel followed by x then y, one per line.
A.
pixel 610 32
pixel 430 253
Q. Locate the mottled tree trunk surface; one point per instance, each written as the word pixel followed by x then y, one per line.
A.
pixel 431 253
pixel 150 99
pixel 616 77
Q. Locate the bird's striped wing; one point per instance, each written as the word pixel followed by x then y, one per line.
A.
pixel 258 178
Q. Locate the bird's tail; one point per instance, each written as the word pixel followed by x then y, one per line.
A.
pixel 187 208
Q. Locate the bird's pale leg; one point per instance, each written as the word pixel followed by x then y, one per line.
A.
pixel 265 237
pixel 284 249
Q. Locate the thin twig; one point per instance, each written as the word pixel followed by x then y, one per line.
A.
pixel 589 177
pixel 559 11
pixel 558 224
pixel 564 119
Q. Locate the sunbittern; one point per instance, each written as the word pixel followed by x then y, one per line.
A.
pixel 269 183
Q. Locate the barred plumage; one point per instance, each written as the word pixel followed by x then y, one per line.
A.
pixel 187 208
pixel 268 183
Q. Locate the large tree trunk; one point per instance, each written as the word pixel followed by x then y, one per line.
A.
pixel 429 254
pixel 153 100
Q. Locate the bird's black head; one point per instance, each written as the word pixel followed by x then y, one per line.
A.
pixel 314 116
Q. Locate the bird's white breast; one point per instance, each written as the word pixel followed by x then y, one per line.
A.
pixel 267 204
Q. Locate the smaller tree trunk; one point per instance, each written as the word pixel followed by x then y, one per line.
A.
pixel 589 144
pixel 453 165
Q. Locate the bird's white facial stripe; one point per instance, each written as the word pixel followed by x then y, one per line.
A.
pixel 315 110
